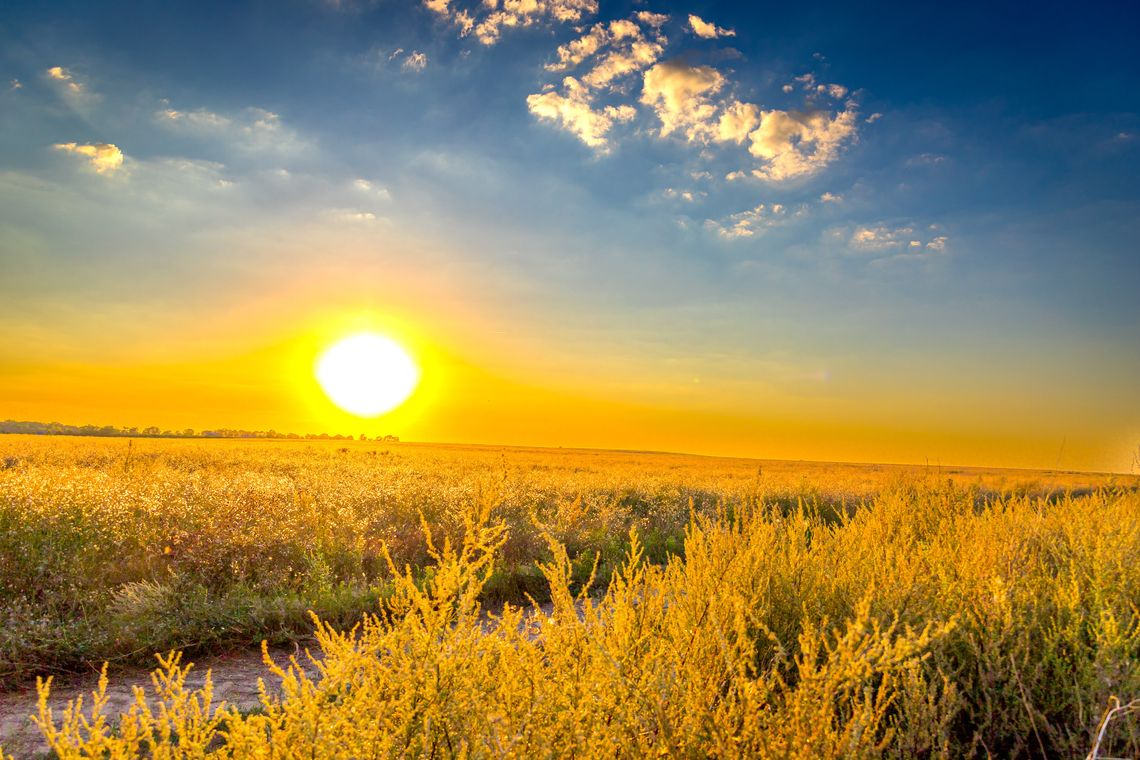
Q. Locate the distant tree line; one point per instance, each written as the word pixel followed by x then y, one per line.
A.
pixel 110 431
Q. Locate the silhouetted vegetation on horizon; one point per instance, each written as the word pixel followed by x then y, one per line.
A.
pixel 18 427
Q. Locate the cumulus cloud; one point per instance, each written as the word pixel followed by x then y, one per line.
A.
pixel 608 54
pixel 748 223
pixel 831 198
pixel 680 95
pixel 614 50
pixel 694 102
pixel 572 110
pixel 737 122
pixel 487 20
pixel 796 143
pixel 104 158
pixel 706 30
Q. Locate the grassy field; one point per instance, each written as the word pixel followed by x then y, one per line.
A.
pixel 750 608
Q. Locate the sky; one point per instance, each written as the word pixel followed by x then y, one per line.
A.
pixel 897 233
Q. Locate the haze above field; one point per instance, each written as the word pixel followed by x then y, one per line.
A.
pixel 780 232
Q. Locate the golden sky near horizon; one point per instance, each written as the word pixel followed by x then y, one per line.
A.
pixel 590 225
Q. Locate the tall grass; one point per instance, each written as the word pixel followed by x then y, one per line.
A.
pixel 918 626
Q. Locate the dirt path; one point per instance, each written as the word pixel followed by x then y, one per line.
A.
pixel 234 675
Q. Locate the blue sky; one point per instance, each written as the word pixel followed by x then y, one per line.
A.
pixel 913 217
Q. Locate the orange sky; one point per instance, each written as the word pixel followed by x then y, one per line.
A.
pixel 520 396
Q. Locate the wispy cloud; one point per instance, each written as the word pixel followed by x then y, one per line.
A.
pixel 905 239
pixel 73 91
pixel 748 223
pixel 415 61
pixel 251 130
pixel 706 30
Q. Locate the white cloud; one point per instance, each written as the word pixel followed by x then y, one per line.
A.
pixel 607 54
pixel 371 189
pixel 797 143
pixel 415 61
pixel 880 237
pixel 903 240
pixel 60 74
pixel 694 102
pixel 15 84
pixel 684 195
pixel 831 198
pixel 620 47
pixel 252 130
pixel 737 122
pixel 574 112
pixel 679 94
pixel 488 19
pixel 352 216
pixel 73 91
pixel 104 158
pixel 748 223
pixel 706 30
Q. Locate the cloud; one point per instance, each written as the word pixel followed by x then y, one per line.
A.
pixel 737 122
pixel 900 240
pixel 488 19
pixel 694 102
pixel 797 143
pixel 70 89
pixel 620 47
pixel 254 130
pixel 746 224
pixel 60 74
pixel 608 54
pixel 351 216
pixel 707 31
pixel 831 198
pixel 574 112
pixel 415 61
pixel 104 158
pixel 688 196
pixel 371 189
pixel 15 84
pixel 679 94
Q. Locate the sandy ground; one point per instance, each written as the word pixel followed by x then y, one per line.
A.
pixel 234 675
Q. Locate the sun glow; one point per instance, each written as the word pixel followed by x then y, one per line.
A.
pixel 367 374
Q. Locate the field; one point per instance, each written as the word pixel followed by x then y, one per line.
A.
pixel 701 606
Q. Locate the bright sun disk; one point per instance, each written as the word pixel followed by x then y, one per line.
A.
pixel 367 374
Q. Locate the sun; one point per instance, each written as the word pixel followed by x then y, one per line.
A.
pixel 367 374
